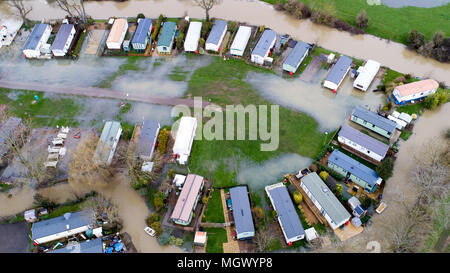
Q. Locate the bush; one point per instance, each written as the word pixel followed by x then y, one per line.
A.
pixel 158 203
pixel 362 20
pixel 298 198
pixel 258 212
pixel 156 226
pixel 415 39
pixel 384 170
pixel 156 30
pixel 179 41
pixel 141 16
pixel 279 7
pixel 183 25
pixel 163 138
pixel 202 42
pixel 205 200
pixel 206 27
pixel 232 26
pixel 323 175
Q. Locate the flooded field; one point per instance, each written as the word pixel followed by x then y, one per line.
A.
pixel 390 54
pixel 414 3
pixel 328 108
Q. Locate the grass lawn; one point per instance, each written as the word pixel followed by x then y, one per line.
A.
pixel 47 112
pixel 386 22
pixel 223 82
pixel 61 210
pixel 274 244
pixel 405 135
pixel 214 211
pixel 5 187
pixel 216 238
pixel 130 65
pixel 416 108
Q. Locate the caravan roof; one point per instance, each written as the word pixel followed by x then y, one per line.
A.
pixel 339 69
pixel 264 43
pixel 374 118
pixel 188 196
pixel 297 54
pixel 35 37
pixel 141 32
pixel 216 32
pixel 186 131
pixel 62 36
pixel 364 140
pixel 243 219
pixel 241 39
pixel 193 36
pixel 368 73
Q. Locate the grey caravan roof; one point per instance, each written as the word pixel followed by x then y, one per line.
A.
pixel 364 140
pixel 374 118
pixel 243 219
pixel 264 42
pixel 62 36
pixel 6 130
pixel 148 137
pixel 297 53
pixel 216 32
pixel 325 197
pixel 91 246
pixel 286 212
pixel 339 69
pixel 58 224
pixel 35 36
pixel 141 32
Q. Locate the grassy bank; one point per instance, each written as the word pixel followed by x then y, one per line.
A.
pixel 389 23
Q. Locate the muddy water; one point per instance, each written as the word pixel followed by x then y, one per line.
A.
pixel 328 108
pixel 390 54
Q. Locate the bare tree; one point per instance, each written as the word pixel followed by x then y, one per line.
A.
pixel 74 8
pixel 104 208
pixel 207 5
pixel 262 239
pixel 20 9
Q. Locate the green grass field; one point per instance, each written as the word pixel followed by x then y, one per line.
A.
pixel 216 238
pixel 214 211
pixel 386 22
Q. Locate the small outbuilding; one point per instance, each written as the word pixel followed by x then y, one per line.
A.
pixel 192 37
pixel 30 216
pixel 240 41
pixel 142 35
pixel 38 38
pixel 200 238
pixel 366 74
pixel 63 40
pixel 338 73
pixel 296 57
pixel 184 139
pixel 216 35
pixel 263 48
pixel 117 34
pixel 166 37
pixel 311 234
pixel 414 91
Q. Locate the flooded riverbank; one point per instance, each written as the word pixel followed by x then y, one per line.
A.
pixel 390 54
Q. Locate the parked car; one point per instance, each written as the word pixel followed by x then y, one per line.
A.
pixel 229 204
pixel 150 231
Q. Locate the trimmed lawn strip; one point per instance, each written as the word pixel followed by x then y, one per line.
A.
pixel 214 211
pixel 216 238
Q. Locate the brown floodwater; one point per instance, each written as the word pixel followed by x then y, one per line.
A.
pixel 390 54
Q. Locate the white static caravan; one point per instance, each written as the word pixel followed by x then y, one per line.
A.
pixel 117 34
pixel 38 38
pixel 63 40
pixel 184 139
pixel 192 37
pixel 240 41
pixel 216 35
pixel 414 91
pixel 262 49
pixel 366 75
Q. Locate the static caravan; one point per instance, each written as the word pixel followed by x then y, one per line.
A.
pixel 262 49
pixel 354 170
pixel 184 139
pixel 338 73
pixel 414 91
pixel 240 41
pixel 287 216
pixel 192 37
pixel 165 40
pixel 366 74
pixel 324 200
pixel 296 57
pixel 187 200
pixel 38 38
pixel 216 36
pixel 142 35
pixel 362 145
pixel 373 121
pixel 117 34
pixel 107 143
pixel 147 139
pixel 242 213
pixel 63 40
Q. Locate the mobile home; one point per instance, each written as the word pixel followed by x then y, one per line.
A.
pixel 192 37
pixel 373 121
pixel 262 49
pixel 148 138
pixel 63 40
pixel 296 57
pixel 117 34
pixel 184 139
pixel 38 38
pixel 338 73
pixel 165 40
pixel 240 41
pixel 187 200
pixel 242 213
pixel 107 143
pixel 142 36
pixel 414 91
pixel 366 75
pixel 216 36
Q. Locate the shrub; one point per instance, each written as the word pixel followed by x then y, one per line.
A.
pixel 261 28
pixel 362 20
pixel 156 30
pixel 141 16
pixel 158 203
pixel 298 198
pixel 278 7
pixel 156 226
pixel 232 26
pixel 206 27
pixel 415 39
pixel 202 42
pixel 163 138
pixel 431 101
pixel 205 200
pixel 258 212
pixel 323 175
pixel 384 170
pixel 180 40
pixel 183 25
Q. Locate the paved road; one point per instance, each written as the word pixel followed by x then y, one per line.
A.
pixel 97 92
pixel 14 238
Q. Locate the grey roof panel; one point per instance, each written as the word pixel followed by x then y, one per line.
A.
pixel 58 224
pixel 35 36
pixel 374 118
pixel 91 246
pixel 339 69
pixel 243 219
pixel 148 137
pixel 140 34
pixel 107 139
pixel 354 167
pixel 286 212
pixel 264 42
pixel 325 197
pixel 297 53
pixel 62 36
pixel 216 32
pixel 364 140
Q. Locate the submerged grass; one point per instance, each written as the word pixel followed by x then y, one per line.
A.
pixel 130 65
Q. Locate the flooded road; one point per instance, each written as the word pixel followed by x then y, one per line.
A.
pixel 390 54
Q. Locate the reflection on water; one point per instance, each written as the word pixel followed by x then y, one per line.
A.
pixel 414 3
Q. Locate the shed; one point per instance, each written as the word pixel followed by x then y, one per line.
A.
pixel 142 34
pixel 63 40
pixel 38 38
pixel 405 117
pixel 117 34
pixel 366 75
pixel 192 37
pixel 400 123
pixel 178 180
pixel 184 139
pixel 107 143
pixel 147 139
pixel 89 246
pixel 325 201
pixel 263 47
pixel 187 201
pixel 414 91
pixel 296 57
pixel 240 41
pixel 373 121
pixel 30 215
pixel 242 213
pixel 311 234
pixel 361 143
pixel 356 222
pixel 165 40
pixel 338 73
pixel 287 216
pixel 216 35
pixel 200 238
